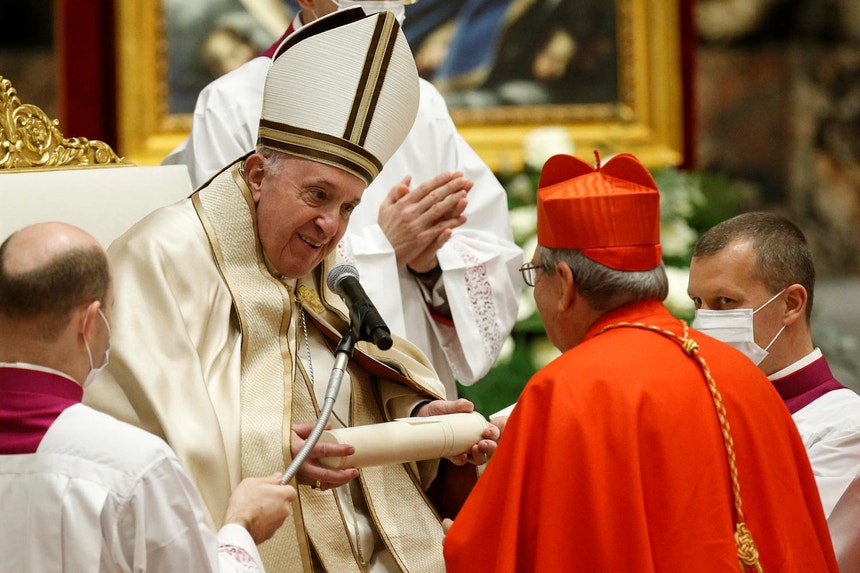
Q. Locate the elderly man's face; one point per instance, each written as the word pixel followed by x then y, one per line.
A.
pixel 303 208
pixel 547 293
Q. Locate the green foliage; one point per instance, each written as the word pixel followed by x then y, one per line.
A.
pixel 724 199
pixel 502 385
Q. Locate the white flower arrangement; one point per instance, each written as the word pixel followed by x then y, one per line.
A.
pixel 678 302
pixel 542 143
pixel 677 238
pixel 523 224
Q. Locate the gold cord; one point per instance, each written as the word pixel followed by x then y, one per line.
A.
pixel 748 555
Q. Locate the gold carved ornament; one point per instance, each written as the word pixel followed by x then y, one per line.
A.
pixel 30 139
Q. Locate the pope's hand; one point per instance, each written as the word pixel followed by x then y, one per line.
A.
pixel 312 472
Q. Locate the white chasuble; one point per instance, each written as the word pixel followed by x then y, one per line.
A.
pixel 205 355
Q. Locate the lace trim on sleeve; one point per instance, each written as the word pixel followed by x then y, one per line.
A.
pixel 480 295
pixel 240 556
pixel 344 250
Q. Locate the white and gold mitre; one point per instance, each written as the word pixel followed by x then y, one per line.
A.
pixel 342 90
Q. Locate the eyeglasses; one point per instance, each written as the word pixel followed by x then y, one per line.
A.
pixel 528 271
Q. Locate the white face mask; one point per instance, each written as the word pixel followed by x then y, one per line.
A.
pixel 735 328
pixel 91 375
pixel 371 7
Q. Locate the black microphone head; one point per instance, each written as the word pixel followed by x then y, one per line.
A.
pixel 338 273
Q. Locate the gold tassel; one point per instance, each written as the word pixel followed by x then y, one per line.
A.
pixel 747 550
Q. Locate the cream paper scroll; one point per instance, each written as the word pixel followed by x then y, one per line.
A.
pixel 406 440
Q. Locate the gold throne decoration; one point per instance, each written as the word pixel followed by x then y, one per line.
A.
pixel 30 139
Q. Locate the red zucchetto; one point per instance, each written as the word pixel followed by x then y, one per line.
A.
pixel 611 213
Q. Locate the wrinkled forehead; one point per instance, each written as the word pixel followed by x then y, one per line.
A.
pixel 307 174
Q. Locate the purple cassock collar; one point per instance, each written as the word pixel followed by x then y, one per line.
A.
pixel 270 51
pixel 806 385
pixel 30 401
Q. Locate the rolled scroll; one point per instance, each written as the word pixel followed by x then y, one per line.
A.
pixel 406 440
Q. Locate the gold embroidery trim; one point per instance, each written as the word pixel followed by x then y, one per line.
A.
pixel 310 298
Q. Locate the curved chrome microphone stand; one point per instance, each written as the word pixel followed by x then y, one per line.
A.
pixel 341 358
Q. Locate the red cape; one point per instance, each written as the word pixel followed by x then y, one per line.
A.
pixel 613 461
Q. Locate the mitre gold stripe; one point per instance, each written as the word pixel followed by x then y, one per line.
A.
pixel 372 78
pixel 319 146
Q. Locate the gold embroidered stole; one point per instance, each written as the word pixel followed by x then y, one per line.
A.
pixel 405 519
pixel 272 395
pixel 265 392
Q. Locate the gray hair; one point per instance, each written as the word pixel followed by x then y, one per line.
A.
pixel 603 288
pixel 273 160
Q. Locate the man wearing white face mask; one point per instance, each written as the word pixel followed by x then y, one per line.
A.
pixel 430 239
pixel 94 370
pixel 752 280
pixel 83 491
pixel 734 326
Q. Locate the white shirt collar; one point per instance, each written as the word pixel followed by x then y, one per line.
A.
pixel 792 368
pixel 38 368
pixel 297 21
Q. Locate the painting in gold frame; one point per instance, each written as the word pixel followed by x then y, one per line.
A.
pixel 646 118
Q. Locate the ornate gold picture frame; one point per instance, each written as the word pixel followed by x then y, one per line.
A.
pixel 646 119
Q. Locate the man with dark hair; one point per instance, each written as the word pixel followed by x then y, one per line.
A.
pixel 752 280
pixel 45 296
pixel 83 491
pixel 646 446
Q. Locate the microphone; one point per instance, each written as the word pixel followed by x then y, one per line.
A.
pixel 366 321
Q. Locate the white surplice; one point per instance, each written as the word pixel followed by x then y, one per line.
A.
pixel 830 429
pixel 101 495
